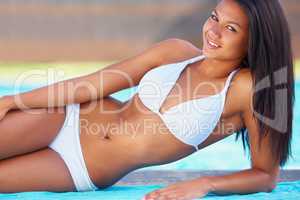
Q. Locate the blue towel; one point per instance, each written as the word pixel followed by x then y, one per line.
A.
pixel 284 190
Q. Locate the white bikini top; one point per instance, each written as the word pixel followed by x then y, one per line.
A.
pixel 191 121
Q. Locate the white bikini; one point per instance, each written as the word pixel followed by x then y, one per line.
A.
pixel 67 145
pixel 191 121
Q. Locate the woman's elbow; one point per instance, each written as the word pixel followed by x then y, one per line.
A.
pixel 272 183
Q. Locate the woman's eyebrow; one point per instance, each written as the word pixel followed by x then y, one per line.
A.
pixel 230 22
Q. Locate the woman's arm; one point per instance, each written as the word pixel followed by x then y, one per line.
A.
pixel 88 87
pixel 99 84
pixel 243 182
pixel 262 176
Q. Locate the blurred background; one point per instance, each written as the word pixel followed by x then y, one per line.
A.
pixel 76 37
pixel 85 30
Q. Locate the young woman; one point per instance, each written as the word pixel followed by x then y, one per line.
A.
pixel 72 135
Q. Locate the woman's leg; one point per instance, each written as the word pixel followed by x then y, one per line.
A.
pixel 27 131
pixel 42 170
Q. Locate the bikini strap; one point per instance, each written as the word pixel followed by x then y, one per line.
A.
pixel 228 81
pixel 195 59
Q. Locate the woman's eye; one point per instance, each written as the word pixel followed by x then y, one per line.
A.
pixel 214 17
pixel 231 28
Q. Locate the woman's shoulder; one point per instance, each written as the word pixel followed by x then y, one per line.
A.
pixel 244 76
pixel 177 50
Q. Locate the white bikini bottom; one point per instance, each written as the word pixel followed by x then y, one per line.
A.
pixel 67 145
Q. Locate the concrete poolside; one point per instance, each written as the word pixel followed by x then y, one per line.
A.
pixel 153 177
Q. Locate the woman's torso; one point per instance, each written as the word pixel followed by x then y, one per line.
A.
pixel 117 137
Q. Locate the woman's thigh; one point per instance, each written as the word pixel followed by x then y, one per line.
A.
pixel 43 170
pixel 29 130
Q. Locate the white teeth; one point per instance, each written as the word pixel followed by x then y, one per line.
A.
pixel 213 44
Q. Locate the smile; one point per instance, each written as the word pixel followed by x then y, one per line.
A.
pixel 211 44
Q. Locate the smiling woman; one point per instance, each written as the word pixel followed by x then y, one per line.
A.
pixel 226 31
pixel 186 100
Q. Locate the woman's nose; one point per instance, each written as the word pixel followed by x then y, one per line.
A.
pixel 214 33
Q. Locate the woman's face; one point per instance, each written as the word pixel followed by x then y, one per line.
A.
pixel 225 33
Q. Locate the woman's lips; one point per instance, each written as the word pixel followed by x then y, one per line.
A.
pixel 211 44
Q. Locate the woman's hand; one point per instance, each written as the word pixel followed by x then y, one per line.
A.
pixel 186 190
pixel 6 103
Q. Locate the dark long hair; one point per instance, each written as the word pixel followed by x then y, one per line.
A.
pixel 270 61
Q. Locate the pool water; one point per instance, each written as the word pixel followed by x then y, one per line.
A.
pixel 223 155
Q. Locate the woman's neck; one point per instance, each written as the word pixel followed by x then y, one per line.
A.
pixel 213 68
